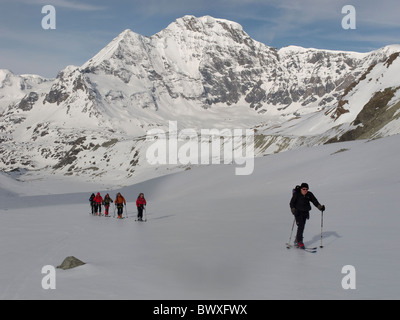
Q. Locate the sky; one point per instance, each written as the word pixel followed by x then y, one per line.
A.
pixel 83 28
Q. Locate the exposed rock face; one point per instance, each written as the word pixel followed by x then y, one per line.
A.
pixel 375 115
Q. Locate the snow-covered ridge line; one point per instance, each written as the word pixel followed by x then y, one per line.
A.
pixel 202 73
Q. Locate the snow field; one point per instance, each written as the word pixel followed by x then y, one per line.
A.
pixel 213 235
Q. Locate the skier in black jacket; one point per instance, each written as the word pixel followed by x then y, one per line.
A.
pixel 300 207
pixel 91 200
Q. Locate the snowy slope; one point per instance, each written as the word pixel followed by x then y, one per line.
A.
pixel 213 235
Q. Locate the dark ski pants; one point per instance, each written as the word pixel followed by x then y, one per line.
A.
pixel 120 209
pixel 97 207
pixel 301 218
pixel 140 212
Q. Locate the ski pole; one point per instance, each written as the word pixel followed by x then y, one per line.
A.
pixel 322 224
pixel 291 233
pixel 126 210
pixel 145 213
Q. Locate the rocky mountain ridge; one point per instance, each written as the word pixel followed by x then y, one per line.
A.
pixel 92 120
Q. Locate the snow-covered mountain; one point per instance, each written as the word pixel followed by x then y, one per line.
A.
pixel 92 120
pixel 15 88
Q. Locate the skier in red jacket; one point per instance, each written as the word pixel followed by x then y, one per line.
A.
pixel 140 203
pixel 98 200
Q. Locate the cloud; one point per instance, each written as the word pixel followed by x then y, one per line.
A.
pixel 47 52
pixel 309 22
pixel 67 4
pixel 386 14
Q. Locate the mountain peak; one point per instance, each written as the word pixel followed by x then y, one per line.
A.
pixel 206 25
pixel 125 37
pixel 207 21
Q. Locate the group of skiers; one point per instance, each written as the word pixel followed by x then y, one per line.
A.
pixel 96 201
pixel 299 206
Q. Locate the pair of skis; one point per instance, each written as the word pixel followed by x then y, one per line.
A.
pixel 306 249
pixel 100 215
pixel 310 250
pixel 136 219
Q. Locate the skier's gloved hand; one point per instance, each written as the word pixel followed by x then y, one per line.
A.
pixel 322 208
pixel 293 210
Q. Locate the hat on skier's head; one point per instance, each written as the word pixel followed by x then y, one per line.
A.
pixel 304 185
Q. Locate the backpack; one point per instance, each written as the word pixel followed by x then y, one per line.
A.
pixel 296 189
pixel 107 200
